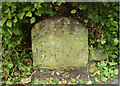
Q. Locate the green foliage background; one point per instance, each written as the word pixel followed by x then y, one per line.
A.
pixel 19 17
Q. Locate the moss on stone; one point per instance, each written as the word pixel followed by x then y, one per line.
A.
pixel 60 44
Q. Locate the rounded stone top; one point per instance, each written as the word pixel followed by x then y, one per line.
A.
pixel 51 24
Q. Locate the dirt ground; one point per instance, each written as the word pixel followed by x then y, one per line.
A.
pixel 67 73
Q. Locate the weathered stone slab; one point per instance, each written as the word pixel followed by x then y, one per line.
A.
pixel 59 42
pixel 97 55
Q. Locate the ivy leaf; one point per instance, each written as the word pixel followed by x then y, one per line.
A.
pixel 15 20
pixel 112 63
pixel 37 26
pixel 82 81
pixel 92 71
pixel 9 23
pixel 29 14
pixel 58 3
pixel 9 15
pixel 9 3
pixel 35 5
pixel 114 23
pixel 73 11
pixel 9 31
pixel 16 31
pixel 20 15
pixel 89 82
pixel 10 65
pixel 37 13
pixel 86 21
pixel 6 41
pixel 7 10
pixel 107 24
pixel 103 78
pixel 35 80
pixel 82 7
pixel 116 71
pixel 49 11
pixel 116 41
pixel 32 20
pixel 73 79
pixel 102 22
pixel 103 41
pixel 26 9
pixel 4 20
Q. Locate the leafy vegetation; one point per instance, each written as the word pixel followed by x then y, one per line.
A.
pixel 18 18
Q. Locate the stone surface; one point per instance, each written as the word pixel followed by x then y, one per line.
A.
pixel 59 42
pixel 97 55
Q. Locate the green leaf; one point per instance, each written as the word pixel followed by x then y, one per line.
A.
pixel 33 9
pixel 73 79
pixel 8 3
pixel 10 65
pixel 25 81
pixel 116 71
pixel 92 41
pixel 103 78
pixel 82 7
pixel 114 23
pixel 73 11
pixel 17 80
pixel 107 24
pixel 20 15
pixel 29 14
pixel 26 9
pixel 112 63
pixel 28 68
pixel 6 11
pixel 35 5
pixel 35 80
pixel 9 15
pixel 91 47
pixel 7 41
pixel 86 20
pixel 116 41
pixel 92 71
pixel 9 31
pixel 9 23
pixel 81 81
pixel 4 20
pixel 15 20
pixel 58 3
pixel 49 11
pixel 103 41
pixel 28 73
pixel 16 73
pixel 89 82
pixel 37 13
pixel 102 22
pixel 37 26
pixel 32 20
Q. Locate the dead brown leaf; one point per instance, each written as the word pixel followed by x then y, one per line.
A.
pixel 94 68
pixel 63 75
pixel 53 73
pixel 65 68
pixel 72 68
pixel 69 82
pixel 5 77
pixel 50 82
pixel 78 77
